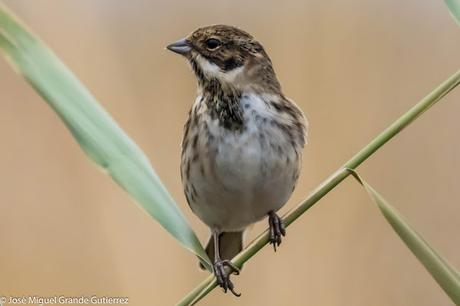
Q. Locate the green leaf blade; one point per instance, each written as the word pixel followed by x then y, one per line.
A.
pixel 454 9
pixel 444 273
pixel 95 131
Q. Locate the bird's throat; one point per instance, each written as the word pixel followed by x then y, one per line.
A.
pixel 222 99
pixel 223 103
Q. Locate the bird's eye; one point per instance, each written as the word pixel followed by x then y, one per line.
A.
pixel 212 43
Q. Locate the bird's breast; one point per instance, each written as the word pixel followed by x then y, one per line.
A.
pixel 253 169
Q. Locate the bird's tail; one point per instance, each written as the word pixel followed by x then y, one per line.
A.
pixel 231 243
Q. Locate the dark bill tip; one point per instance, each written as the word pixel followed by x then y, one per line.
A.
pixel 181 46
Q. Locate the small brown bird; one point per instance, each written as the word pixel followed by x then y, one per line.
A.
pixel 242 144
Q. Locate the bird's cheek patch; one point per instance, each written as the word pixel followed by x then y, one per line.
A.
pixel 212 70
pixel 208 68
pixel 231 64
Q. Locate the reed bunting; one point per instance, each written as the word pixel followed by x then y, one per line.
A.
pixel 242 144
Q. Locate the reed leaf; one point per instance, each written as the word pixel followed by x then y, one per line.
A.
pixel 444 274
pixel 454 9
pixel 95 131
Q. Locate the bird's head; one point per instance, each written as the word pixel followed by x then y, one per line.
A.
pixel 228 55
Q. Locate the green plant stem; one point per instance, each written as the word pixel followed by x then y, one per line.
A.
pixel 210 283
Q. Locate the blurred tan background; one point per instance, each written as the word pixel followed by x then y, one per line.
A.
pixel 353 67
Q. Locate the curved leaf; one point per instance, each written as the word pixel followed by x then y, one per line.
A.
pixel 96 132
pixel 444 274
pixel 454 9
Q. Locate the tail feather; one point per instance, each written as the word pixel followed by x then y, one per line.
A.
pixel 231 243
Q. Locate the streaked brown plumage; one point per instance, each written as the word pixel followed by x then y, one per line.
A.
pixel 242 144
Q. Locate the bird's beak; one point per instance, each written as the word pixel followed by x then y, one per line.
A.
pixel 182 46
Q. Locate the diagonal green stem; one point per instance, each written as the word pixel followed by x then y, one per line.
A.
pixel 210 283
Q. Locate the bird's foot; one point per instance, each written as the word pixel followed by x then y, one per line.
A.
pixel 277 229
pixel 223 275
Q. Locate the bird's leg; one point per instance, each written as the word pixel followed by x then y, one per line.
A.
pixel 277 229
pixel 222 274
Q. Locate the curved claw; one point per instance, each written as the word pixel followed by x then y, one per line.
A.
pixel 233 269
pixel 223 278
pixel 233 291
pixel 277 229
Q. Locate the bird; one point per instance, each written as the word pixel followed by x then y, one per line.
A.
pixel 242 143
